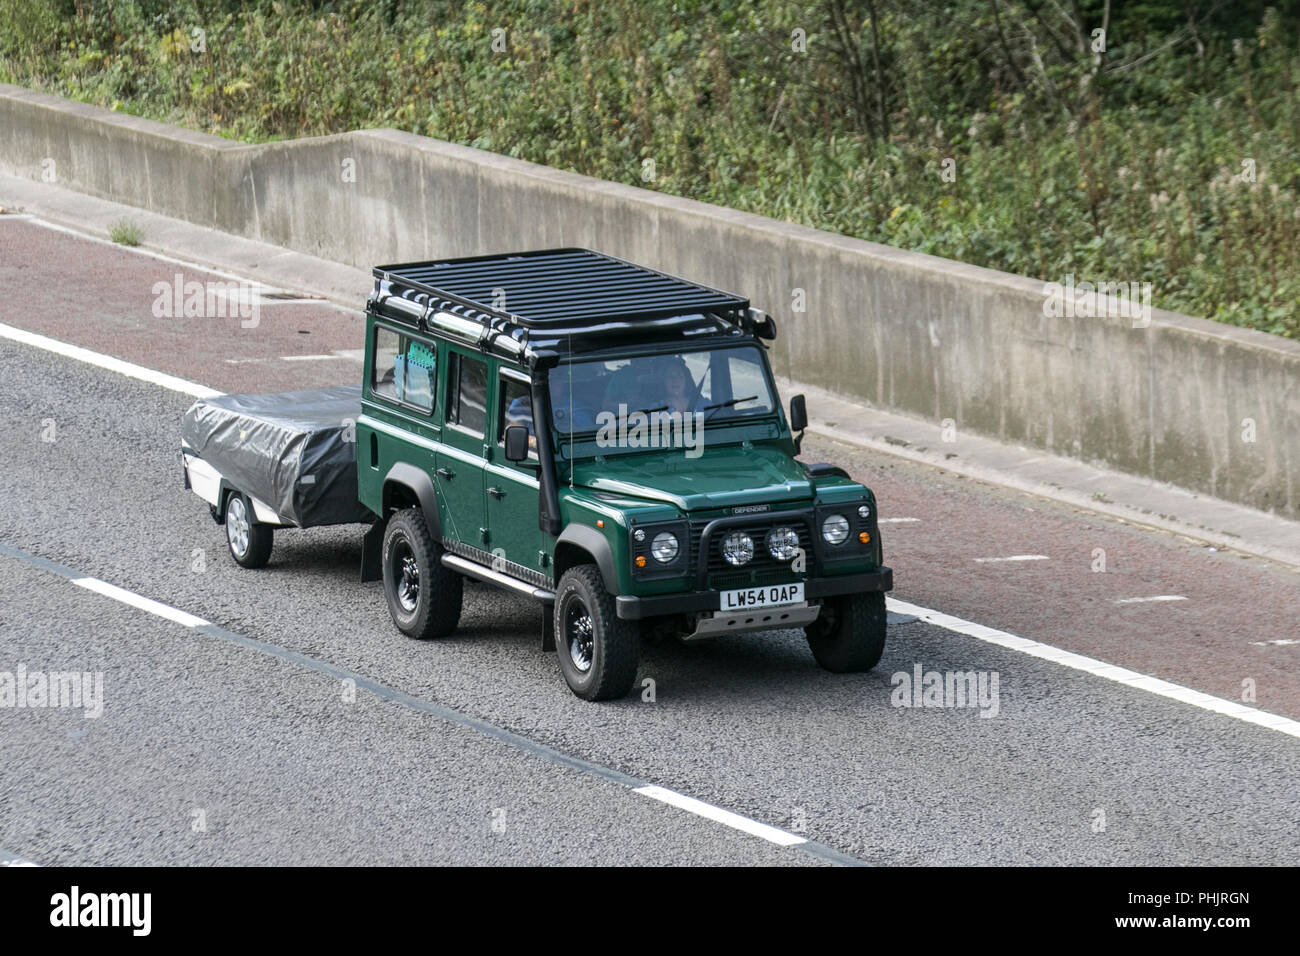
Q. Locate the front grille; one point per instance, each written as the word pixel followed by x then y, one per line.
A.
pixel 751 579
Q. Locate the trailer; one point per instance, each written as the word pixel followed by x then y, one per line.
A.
pixel 283 460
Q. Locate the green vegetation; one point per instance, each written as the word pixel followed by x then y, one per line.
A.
pixel 1173 157
pixel 126 233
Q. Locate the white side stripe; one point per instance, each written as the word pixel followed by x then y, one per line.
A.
pixel 718 815
pixel 128 369
pixel 1098 668
pixel 138 601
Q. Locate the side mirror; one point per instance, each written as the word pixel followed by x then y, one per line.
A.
pixel 798 413
pixel 516 443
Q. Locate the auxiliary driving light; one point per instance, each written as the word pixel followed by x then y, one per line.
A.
pixel 738 548
pixel 783 543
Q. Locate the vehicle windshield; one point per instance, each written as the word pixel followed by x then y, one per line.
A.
pixel 714 386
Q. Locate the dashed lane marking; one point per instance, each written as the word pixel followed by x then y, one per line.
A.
pixel 671 797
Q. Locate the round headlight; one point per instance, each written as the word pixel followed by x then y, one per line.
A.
pixel 835 529
pixel 864 511
pixel 664 547
pixel 738 548
pixel 783 543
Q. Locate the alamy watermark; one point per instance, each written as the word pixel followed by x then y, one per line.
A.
pixel 1087 300
pixel 39 689
pixel 651 428
pixel 950 689
pixel 233 299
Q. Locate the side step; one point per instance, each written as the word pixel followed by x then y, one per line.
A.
pixel 483 573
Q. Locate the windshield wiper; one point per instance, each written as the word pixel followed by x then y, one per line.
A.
pixel 651 411
pixel 727 404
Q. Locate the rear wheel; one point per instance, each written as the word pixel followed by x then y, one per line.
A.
pixel 599 652
pixel 424 597
pixel 249 541
pixel 849 634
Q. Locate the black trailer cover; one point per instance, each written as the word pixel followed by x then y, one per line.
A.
pixel 296 451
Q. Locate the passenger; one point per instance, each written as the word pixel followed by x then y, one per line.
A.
pixel 679 387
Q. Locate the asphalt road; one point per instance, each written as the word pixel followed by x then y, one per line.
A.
pixel 472 750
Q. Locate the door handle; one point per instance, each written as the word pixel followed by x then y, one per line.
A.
pixel 496 492
pixel 444 473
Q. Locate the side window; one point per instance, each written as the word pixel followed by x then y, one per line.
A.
pixel 467 393
pixel 403 370
pixel 515 408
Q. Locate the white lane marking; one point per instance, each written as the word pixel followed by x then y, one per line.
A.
pixel 1098 668
pixel 129 369
pixel 139 601
pixel 895 520
pixel 1276 642
pixel 1014 557
pixel 309 358
pixel 1148 600
pixel 718 815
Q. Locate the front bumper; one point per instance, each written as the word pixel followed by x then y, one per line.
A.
pixel 632 607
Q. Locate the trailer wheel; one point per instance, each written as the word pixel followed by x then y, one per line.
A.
pixel 424 597
pixel 599 652
pixel 849 634
pixel 248 539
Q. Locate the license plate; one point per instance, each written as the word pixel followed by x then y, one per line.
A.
pixel 774 595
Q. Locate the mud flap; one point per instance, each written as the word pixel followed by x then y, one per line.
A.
pixel 548 627
pixel 371 545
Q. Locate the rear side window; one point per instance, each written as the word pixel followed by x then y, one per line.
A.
pixel 467 382
pixel 403 369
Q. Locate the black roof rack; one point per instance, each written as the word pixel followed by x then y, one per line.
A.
pixel 557 289
pixel 535 307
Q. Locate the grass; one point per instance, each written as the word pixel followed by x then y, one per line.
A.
pixel 125 232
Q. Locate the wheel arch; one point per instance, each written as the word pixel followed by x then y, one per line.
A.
pixel 406 486
pixel 580 544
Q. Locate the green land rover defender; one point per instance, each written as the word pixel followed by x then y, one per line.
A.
pixel 608 441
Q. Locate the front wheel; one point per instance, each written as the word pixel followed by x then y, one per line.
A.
pixel 849 634
pixel 599 652
pixel 249 541
pixel 424 597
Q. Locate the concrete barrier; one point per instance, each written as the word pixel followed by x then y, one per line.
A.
pixel 1208 407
